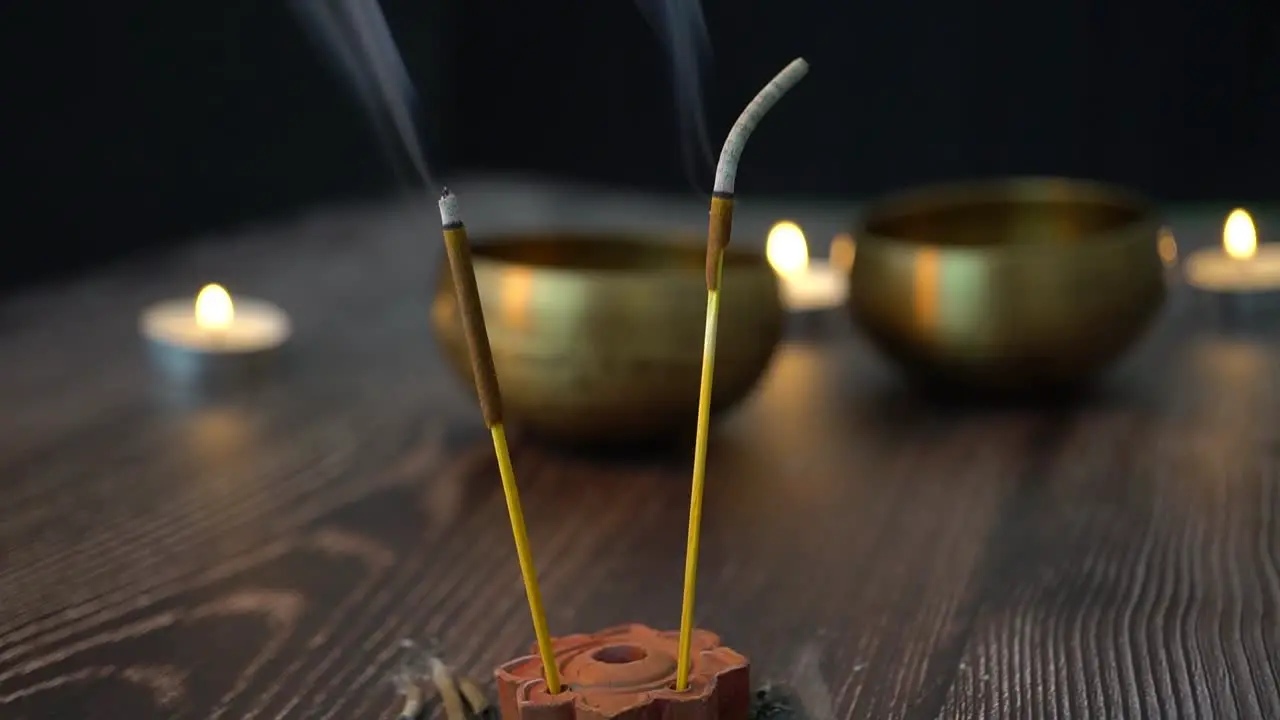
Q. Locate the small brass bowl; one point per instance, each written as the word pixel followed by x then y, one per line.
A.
pixel 597 338
pixel 1014 285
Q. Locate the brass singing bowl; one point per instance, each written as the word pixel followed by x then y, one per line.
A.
pixel 598 337
pixel 1014 285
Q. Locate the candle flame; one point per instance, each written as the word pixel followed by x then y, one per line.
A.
pixel 786 249
pixel 214 309
pixel 1239 235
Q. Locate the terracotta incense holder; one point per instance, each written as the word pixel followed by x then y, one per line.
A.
pixel 627 672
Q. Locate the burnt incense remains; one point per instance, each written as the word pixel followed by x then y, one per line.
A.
pixel 458 695
pixel 455 708
pixel 775 702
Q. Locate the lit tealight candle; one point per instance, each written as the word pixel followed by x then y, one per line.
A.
pixel 1241 266
pixel 213 332
pixel 808 285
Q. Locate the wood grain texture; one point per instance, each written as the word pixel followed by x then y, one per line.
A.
pixel 258 553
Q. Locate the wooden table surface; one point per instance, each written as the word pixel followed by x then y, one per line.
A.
pixel 261 552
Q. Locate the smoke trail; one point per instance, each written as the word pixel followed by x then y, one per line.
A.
pixel 355 35
pixel 682 28
pixel 810 686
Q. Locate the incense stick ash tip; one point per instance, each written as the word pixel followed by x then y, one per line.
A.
pixel 449 214
pixel 760 105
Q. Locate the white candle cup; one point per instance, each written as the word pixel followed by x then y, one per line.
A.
pixel 817 287
pixel 806 285
pixel 1213 271
pixel 1239 287
pixel 239 344
pixel 1242 271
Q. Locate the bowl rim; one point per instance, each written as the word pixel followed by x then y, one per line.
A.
pixel 738 257
pixel 1026 187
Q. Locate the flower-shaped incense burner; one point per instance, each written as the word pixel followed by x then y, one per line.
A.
pixel 628 672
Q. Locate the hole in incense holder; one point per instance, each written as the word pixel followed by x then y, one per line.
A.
pixel 619 654
pixel 692 688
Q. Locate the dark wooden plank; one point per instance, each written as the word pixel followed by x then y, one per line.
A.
pixel 1141 579
pixel 261 554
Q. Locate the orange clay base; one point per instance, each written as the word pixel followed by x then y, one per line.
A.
pixel 628 672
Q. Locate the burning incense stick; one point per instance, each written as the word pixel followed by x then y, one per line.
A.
pixel 356 32
pixel 486 379
pixel 718 232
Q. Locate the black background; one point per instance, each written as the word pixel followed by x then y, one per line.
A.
pixel 130 124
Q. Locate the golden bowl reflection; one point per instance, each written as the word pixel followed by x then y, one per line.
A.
pixel 843 251
pixel 1007 285
pixel 597 337
pixel 1167 247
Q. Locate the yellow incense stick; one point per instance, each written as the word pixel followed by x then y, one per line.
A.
pixel 684 658
pixel 486 379
pixel 719 230
pixel 525 556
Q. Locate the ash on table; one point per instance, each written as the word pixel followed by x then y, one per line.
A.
pixel 776 702
pixel 806 697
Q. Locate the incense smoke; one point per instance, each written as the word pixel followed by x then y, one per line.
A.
pixel 355 35
pixel 810 686
pixel 682 29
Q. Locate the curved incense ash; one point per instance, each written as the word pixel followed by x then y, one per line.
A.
pixel 727 169
pixel 486 379
pixel 719 230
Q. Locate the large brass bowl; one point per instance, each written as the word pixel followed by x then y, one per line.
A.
pixel 1008 285
pixel 598 337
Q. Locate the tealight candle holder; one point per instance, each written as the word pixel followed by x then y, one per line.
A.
pixel 213 337
pixel 1241 270
pixel 808 285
